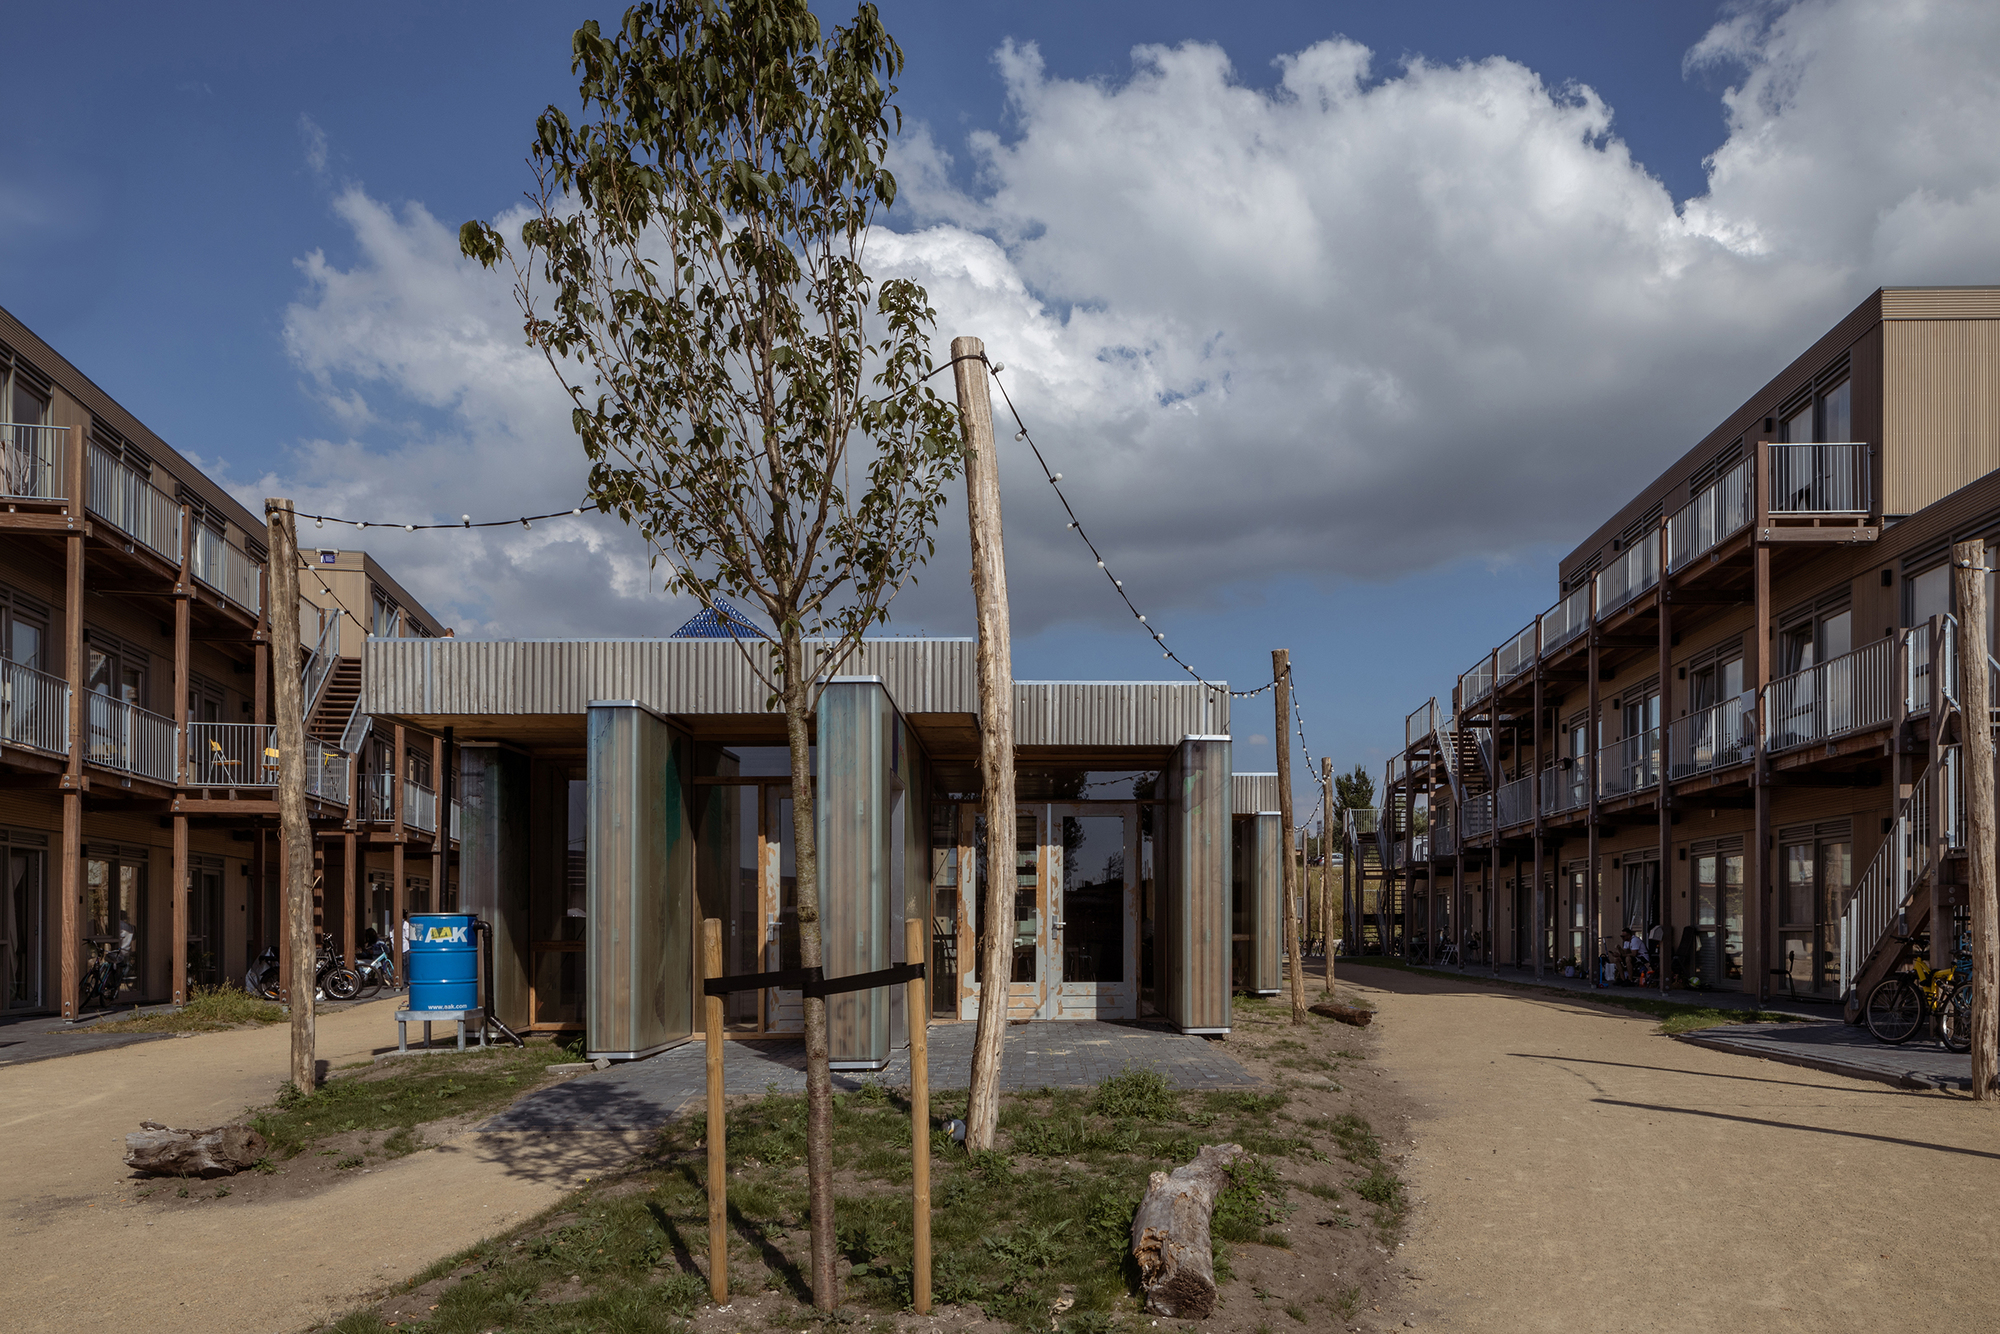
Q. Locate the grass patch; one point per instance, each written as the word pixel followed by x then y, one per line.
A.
pixel 1674 1016
pixel 208 1010
pixel 403 1096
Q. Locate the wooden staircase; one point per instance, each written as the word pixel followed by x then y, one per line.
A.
pixel 336 703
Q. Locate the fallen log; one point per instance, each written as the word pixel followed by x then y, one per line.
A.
pixel 1346 1014
pixel 1170 1234
pixel 216 1152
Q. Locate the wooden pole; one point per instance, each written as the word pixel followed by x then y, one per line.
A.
pixel 1281 699
pixel 920 1116
pixel 1326 868
pixel 296 844
pixel 182 589
pixel 1976 731
pixel 1757 911
pixel 69 965
pixel 996 731
pixel 718 1143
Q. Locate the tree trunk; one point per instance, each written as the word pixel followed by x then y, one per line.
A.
pixel 1281 696
pixel 296 841
pixel 217 1152
pixel 1968 558
pixel 819 1075
pixel 1170 1234
pixel 996 735
pixel 1346 1014
pixel 1326 868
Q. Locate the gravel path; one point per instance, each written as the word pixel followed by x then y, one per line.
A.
pixel 1577 1170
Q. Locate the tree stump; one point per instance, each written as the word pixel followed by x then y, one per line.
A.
pixel 1346 1014
pixel 217 1152
pixel 1170 1234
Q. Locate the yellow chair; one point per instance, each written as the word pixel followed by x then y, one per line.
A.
pixel 270 767
pixel 217 759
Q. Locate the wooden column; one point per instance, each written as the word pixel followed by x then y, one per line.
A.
pixel 1281 700
pixel 717 1129
pixel 1326 868
pixel 1593 732
pixel 349 896
pixel 296 832
pixel 1969 576
pixel 1664 600
pixel 441 836
pixel 1757 912
pixel 181 720
pixel 398 892
pixel 69 972
pixel 917 1006
pixel 1538 937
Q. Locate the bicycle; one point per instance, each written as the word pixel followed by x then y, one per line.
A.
pixel 377 970
pixel 1900 1003
pixel 105 978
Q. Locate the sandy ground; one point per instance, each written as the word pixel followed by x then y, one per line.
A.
pixel 82 1253
pixel 1576 1170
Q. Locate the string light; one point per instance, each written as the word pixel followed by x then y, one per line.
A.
pixel 464 521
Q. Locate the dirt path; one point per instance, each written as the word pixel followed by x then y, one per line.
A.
pixel 82 1253
pixel 1576 1170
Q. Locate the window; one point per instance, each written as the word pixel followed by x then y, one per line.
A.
pixel 1927 595
pixel 26 404
pixel 205 700
pixel 388 618
pixel 1816 866
pixel 1812 637
pixel 25 630
pixel 1825 418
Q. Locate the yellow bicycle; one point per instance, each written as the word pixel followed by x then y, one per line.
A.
pixel 1901 1002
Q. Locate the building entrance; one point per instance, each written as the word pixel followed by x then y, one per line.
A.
pixel 1094 911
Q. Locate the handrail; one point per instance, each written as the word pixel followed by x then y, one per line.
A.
pixel 1476 684
pixel 319 667
pixel 1566 620
pixel 1628 576
pixel 1821 479
pixel 34 708
pixel 227 569
pixel 127 501
pixel 1516 802
pixel 359 724
pixel 1836 698
pixel 32 461
pixel 1709 739
pixel 1420 722
pixel 1711 518
pixel 1899 866
pixel 419 806
pixel 121 735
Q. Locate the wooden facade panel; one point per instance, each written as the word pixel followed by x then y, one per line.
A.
pixel 1941 422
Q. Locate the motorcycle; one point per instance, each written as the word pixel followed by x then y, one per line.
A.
pixel 332 979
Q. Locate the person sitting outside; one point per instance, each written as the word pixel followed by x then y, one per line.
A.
pixel 1625 949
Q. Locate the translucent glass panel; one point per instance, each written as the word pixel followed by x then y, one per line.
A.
pixel 1093 898
pixel 493 871
pixel 860 857
pixel 640 880
pixel 1193 941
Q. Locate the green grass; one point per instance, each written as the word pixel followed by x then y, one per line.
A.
pixel 1011 1228
pixel 208 1010
pixel 402 1097
pixel 1674 1016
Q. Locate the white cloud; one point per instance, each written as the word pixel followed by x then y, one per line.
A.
pixel 314 140
pixel 1352 327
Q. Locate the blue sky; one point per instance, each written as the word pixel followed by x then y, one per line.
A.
pixel 226 213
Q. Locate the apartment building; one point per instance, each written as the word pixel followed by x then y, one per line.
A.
pixel 1738 723
pixel 138 760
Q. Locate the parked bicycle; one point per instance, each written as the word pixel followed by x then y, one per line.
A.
pixel 1902 1002
pixel 104 978
pixel 377 968
pixel 332 978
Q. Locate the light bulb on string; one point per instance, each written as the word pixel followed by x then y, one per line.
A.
pixel 465 519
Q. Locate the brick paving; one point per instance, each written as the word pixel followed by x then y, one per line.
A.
pixel 1844 1049
pixel 641 1095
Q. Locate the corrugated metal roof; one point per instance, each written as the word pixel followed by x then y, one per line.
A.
pixel 408 677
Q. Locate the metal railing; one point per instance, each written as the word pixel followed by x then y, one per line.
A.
pixel 1476 684
pixel 31 461
pixel 1516 802
pixel 34 709
pixel 319 667
pixel 1476 815
pixel 378 799
pixel 1628 576
pixel 454 818
pixel 125 500
pixel 1820 479
pixel 1629 766
pixel 232 755
pixel 1900 865
pixel 1710 738
pixel 1566 620
pixel 420 806
pixel 1420 722
pixel 1704 523
pixel 226 569
pixel 1444 831
pixel 1566 786
pixel 327 773
pixel 1517 655
pixel 1843 695
pixel 124 736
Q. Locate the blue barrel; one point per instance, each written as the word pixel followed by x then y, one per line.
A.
pixel 444 961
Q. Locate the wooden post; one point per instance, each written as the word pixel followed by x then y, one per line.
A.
pixel 1281 699
pixel 1664 803
pixel 1757 912
pixel 441 835
pixel 296 843
pixel 1593 732
pixel 347 896
pixel 718 1133
pixel 996 729
pixel 918 1006
pixel 69 970
pixel 1539 935
pixel 1326 867
pixel 399 890
pixel 1976 732
pixel 182 588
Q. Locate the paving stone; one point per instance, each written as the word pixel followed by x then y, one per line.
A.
pixel 1844 1049
pixel 641 1095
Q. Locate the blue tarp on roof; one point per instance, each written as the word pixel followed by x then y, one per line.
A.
pixel 710 623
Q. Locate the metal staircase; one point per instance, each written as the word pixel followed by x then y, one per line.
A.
pixel 339 693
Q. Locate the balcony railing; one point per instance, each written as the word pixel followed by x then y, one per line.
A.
pixel 1900 865
pixel 1820 479
pixel 1629 766
pixel 378 801
pixel 1848 694
pixel 125 500
pixel 319 667
pixel 1566 789
pixel 232 755
pixel 1517 802
pixel 34 709
pixel 1711 518
pixel 454 819
pixel 1476 815
pixel 420 806
pixel 124 736
pixel 1476 684
pixel 326 773
pixel 1420 722
pixel 1517 655
pixel 31 461
pixel 1628 576
pixel 226 569
pixel 1566 620
pixel 1444 831
pixel 1711 738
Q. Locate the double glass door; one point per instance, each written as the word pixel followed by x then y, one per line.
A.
pixel 1074 943
pixel 21 940
pixel 1718 918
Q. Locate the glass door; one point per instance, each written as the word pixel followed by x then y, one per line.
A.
pixel 21 932
pixel 1027 928
pixel 204 925
pixel 1095 914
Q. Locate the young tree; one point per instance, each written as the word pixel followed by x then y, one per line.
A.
pixel 747 395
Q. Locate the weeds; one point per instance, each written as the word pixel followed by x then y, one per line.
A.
pixel 404 1097
pixel 208 1010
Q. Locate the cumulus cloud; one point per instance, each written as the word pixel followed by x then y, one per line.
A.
pixel 1363 323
